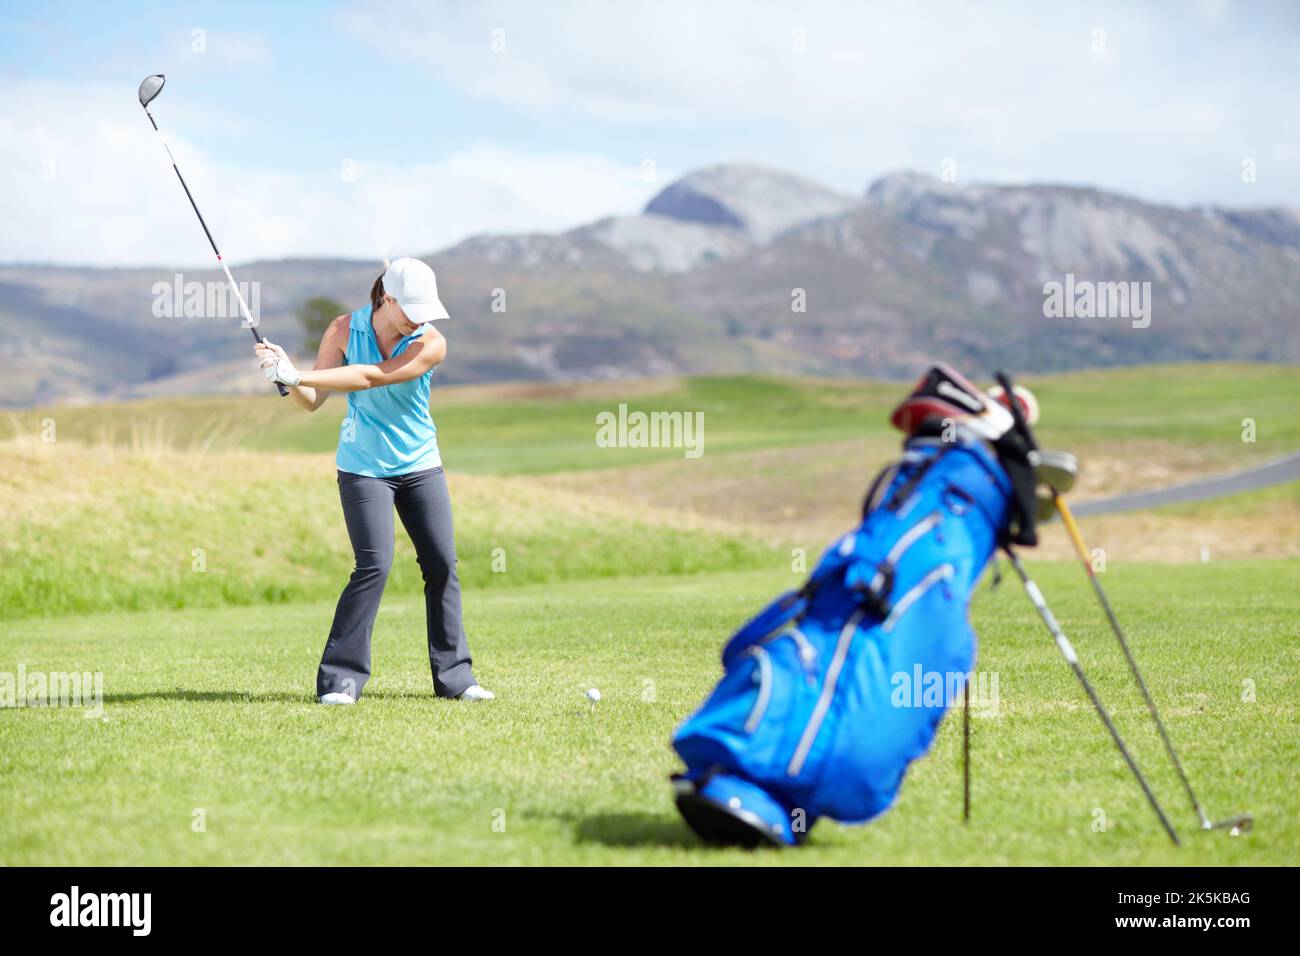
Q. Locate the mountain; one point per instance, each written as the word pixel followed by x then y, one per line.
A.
pixel 730 268
pixel 758 203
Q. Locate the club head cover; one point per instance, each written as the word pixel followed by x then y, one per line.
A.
pixel 943 393
pixel 1024 398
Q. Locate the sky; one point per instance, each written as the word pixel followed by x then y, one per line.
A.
pixel 353 129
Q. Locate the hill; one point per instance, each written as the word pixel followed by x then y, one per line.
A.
pixel 110 513
pixel 731 269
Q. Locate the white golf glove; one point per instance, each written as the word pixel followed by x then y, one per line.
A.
pixel 276 365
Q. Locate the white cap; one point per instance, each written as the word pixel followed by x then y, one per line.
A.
pixel 415 287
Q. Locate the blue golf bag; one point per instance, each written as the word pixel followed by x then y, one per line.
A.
pixel 819 712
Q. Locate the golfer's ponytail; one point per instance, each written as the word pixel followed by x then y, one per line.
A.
pixel 377 290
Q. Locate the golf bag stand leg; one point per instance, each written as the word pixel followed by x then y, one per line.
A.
pixel 1067 650
pixel 1235 823
pixel 965 751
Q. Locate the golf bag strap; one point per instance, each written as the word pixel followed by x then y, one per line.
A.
pixel 879 485
pixel 874 596
pixel 787 608
pixel 1013 454
pixel 905 490
pixel 874 593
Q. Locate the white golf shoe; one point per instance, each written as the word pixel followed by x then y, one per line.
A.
pixel 474 692
pixel 337 697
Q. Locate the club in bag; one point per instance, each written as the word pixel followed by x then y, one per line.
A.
pixel 150 87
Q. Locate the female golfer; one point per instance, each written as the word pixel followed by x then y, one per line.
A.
pixel 383 356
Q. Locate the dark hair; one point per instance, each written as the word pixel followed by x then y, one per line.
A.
pixel 377 294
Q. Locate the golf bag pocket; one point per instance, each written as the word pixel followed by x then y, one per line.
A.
pixel 749 714
pixel 889 675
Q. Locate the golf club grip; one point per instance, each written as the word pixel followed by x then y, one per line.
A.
pixel 257 337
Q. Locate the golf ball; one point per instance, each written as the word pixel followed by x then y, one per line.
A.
pixel 593 694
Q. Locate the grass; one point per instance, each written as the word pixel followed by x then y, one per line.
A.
pixel 131 532
pixel 1203 404
pixel 191 552
pixel 217 502
pixel 212 711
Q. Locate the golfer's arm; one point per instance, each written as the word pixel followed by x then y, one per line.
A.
pixel 333 345
pixel 414 362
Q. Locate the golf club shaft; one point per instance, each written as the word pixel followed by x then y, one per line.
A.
pixel 1081 549
pixel 1067 650
pixel 243 306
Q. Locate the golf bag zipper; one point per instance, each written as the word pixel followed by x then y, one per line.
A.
pixel 942 573
pixel 909 538
pixel 828 692
pixel 807 653
pixel 764 688
pixel 875 595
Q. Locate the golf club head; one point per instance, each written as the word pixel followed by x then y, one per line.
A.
pixel 1059 469
pixel 1055 472
pixel 150 87
pixel 1237 824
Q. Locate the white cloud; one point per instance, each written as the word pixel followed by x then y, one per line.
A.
pixel 90 184
pixel 682 60
pixel 1010 92
pixel 1160 109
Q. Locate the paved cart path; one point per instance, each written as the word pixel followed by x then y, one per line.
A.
pixel 1274 473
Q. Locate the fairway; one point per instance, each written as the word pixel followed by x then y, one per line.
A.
pixel 209 714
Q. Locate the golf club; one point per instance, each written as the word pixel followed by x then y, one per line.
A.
pixel 1067 649
pixel 150 87
pixel 1058 481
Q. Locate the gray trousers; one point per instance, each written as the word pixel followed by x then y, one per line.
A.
pixel 424 506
